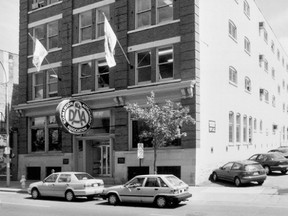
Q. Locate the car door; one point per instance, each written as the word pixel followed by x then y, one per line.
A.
pixel 151 189
pixel 48 186
pixel 61 184
pixel 224 171
pixel 235 170
pixel 132 191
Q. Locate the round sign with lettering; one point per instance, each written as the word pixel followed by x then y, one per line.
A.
pixel 74 116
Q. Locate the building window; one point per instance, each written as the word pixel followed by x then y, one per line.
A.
pixel 273 101
pixel 273 73
pixel 143 62
pixel 278 54
pixel 261 126
pixel 246 9
pixel 250 130
pixel 164 10
pixel 266 96
pixel 265 35
pixel 233 78
pixel 247 45
pixel 52 83
pixel 231 127
pixel 165 63
pixel 51 1
pixel 232 30
pixel 38 134
pixel 93 75
pixel 245 128
pixel 85 26
pixel 266 65
pixel 102 71
pixel 100 20
pixel 40 126
pixel 54 135
pixel 38 86
pixel 238 128
pixel 47 34
pixel 85 77
pixel 143 13
pixel 255 124
pixel 247 84
pixel 52 35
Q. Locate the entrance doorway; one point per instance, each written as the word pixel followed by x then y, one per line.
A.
pixel 97 157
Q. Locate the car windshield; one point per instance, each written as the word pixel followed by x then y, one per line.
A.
pixel 252 167
pixel 83 176
pixel 174 180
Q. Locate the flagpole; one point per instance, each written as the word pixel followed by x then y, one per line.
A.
pixel 131 66
pixel 46 58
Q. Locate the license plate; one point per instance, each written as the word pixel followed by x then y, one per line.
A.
pixel 255 173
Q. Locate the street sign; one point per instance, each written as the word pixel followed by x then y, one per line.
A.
pixel 3 139
pixel 7 150
pixel 140 151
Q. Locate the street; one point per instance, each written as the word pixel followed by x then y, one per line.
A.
pixel 215 199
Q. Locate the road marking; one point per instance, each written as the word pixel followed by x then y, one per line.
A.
pixel 24 204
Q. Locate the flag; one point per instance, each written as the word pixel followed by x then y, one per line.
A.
pixel 109 44
pixel 39 54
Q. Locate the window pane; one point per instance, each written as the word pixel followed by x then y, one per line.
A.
pixel 38 140
pixel 100 19
pixel 144 66
pixel 165 11
pixel 101 122
pixel 144 59
pixel 103 74
pixel 53 35
pixel 144 19
pixel 143 5
pixel 39 122
pixel 86 26
pixel 144 74
pixel 165 61
pixel 39 32
pixel 86 76
pixel 39 79
pixel 55 139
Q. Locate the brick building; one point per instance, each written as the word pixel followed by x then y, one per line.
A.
pixel 178 49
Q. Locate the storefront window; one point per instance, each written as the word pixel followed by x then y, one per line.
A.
pixel 38 134
pixel 101 121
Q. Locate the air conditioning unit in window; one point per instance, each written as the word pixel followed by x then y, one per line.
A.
pixel 261 91
pixel 261 25
pixel 261 57
pixel 34 5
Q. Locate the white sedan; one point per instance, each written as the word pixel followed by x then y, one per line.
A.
pixel 68 185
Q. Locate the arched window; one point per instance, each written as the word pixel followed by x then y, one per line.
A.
pixel 250 130
pixel 232 30
pixel 246 9
pixel 233 77
pixel 247 45
pixel 247 84
pixel 245 129
pixel 238 127
pixel 231 127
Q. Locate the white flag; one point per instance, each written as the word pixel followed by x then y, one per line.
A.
pixel 110 43
pixel 39 54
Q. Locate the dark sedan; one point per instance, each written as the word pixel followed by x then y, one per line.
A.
pixel 271 162
pixel 283 151
pixel 240 172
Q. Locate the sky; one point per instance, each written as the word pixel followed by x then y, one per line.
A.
pixel 275 12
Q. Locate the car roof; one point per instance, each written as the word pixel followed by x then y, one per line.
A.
pixel 155 175
pixel 245 162
pixel 67 172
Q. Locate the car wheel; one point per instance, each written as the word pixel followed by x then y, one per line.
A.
pixel 113 199
pixel 260 182
pixel 267 169
pixel 160 202
pixel 214 176
pixel 284 172
pixel 237 182
pixel 69 196
pixel 35 193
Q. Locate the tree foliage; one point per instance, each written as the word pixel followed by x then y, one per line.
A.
pixel 164 122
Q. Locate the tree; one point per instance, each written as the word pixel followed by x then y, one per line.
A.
pixel 164 122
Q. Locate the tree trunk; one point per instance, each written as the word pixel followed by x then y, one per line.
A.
pixel 155 158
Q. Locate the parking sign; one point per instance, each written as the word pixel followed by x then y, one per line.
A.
pixel 140 151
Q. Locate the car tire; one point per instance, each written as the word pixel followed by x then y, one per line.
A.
pixel 267 170
pixel 214 177
pixel 35 193
pixel 237 182
pixel 284 172
pixel 260 182
pixel 69 196
pixel 113 199
pixel 160 201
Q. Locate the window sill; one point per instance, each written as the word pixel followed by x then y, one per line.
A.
pixel 233 84
pixel 98 91
pixel 153 26
pixel 43 153
pixel 49 51
pixel 87 42
pixel 234 39
pixel 154 83
pixel 42 100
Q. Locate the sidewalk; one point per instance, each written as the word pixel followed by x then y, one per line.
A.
pixel 15 186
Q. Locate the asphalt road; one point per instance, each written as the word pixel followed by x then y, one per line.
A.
pixel 213 199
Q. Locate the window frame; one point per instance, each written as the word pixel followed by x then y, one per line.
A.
pixel 233 76
pixel 48 93
pixel 49 37
pixel 158 13
pixel 36 85
pixel 138 12
pixel 90 25
pixel 238 128
pixel 146 66
pixel 231 127
pixel 232 30
pixel 159 79
pixel 248 86
pixel 246 8
pixel 247 45
pixel 80 76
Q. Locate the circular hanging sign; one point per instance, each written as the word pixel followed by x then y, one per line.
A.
pixel 74 116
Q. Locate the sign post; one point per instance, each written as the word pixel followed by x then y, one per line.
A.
pixel 140 152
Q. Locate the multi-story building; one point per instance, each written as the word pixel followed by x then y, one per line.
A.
pixel 219 62
pixel 8 97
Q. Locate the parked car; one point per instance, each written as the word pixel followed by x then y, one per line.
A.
pixel 271 162
pixel 240 172
pixel 158 189
pixel 283 151
pixel 68 185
